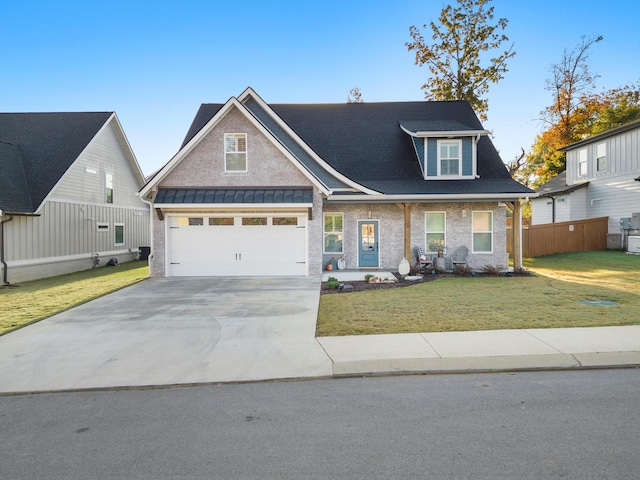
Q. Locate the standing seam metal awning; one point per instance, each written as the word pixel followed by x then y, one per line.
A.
pixel 173 196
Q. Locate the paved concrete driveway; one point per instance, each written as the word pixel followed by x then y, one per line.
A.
pixel 167 331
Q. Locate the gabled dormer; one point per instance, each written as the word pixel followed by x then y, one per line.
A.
pixel 446 150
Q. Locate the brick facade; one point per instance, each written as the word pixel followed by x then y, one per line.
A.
pixel 391 230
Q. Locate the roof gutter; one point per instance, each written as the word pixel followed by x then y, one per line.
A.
pixel 445 133
pixel 429 198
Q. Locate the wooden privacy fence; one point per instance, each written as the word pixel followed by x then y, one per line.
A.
pixel 575 236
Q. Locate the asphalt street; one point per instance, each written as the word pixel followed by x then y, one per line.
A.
pixel 526 425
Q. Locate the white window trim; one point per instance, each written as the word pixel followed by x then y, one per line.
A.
pixel 114 234
pixel 482 231
pixel 449 140
pixel 324 232
pixel 246 153
pixel 426 244
pixel 102 227
pixel 583 159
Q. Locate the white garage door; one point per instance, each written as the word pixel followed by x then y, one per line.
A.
pixel 241 245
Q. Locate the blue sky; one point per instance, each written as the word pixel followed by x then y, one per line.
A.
pixel 155 62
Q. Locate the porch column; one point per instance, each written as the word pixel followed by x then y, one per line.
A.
pixel 407 208
pixel 516 246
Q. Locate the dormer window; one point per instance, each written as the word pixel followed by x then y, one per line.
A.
pixel 446 150
pixel 449 157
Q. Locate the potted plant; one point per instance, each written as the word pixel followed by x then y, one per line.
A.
pixel 437 246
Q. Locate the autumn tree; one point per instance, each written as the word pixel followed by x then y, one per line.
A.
pixel 615 107
pixel 571 83
pixel 457 53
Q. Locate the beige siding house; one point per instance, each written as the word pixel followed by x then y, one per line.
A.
pixel 281 189
pixel 602 179
pixel 70 191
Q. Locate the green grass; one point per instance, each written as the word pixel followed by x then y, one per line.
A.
pixel 30 302
pixel 548 299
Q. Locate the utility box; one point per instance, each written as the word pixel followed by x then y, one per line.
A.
pixel 633 244
pixel 635 220
pixel 625 223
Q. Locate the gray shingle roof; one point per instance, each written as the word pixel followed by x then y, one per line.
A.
pixel 558 185
pixel 36 149
pixel 364 142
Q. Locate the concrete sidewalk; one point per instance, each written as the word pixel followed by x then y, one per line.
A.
pixel 496 350
pixel 168 331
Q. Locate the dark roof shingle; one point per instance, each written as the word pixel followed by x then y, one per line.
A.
pixel 42 148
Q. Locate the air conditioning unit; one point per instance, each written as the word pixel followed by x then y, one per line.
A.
pixel 633 244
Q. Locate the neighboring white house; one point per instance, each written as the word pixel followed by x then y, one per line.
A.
pixel 68 189
pixel 602 179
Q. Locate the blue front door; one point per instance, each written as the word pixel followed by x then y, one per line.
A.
pixel 368 243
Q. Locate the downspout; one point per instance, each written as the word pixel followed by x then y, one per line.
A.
pixel 5 280
pixel 150 203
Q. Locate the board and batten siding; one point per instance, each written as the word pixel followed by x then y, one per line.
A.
pixel 105 154
pixel 623 157
pixel 67 229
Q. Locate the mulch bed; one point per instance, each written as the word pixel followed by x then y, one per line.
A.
pixel 361 286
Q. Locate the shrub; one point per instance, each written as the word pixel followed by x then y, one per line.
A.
pixel 368 276
pixel 462 270
pixel 492 270
pixel 333 282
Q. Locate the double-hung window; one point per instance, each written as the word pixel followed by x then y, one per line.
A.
pixel 449 156
pixel 333 233
pixel 582 162
pixel 601 157
pixel 482 232
pixel 435 231
pixel 235 152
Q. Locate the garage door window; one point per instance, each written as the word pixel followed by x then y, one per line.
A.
pixel 190 221
pixel 280 221
pixel 252 221
pixel 225 221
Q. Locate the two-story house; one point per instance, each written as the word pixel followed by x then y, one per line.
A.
pixel 282 189
pixel 601 180
pixel 68 189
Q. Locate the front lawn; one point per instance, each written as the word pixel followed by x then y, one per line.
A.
pixel 29 302
pixel 550 298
